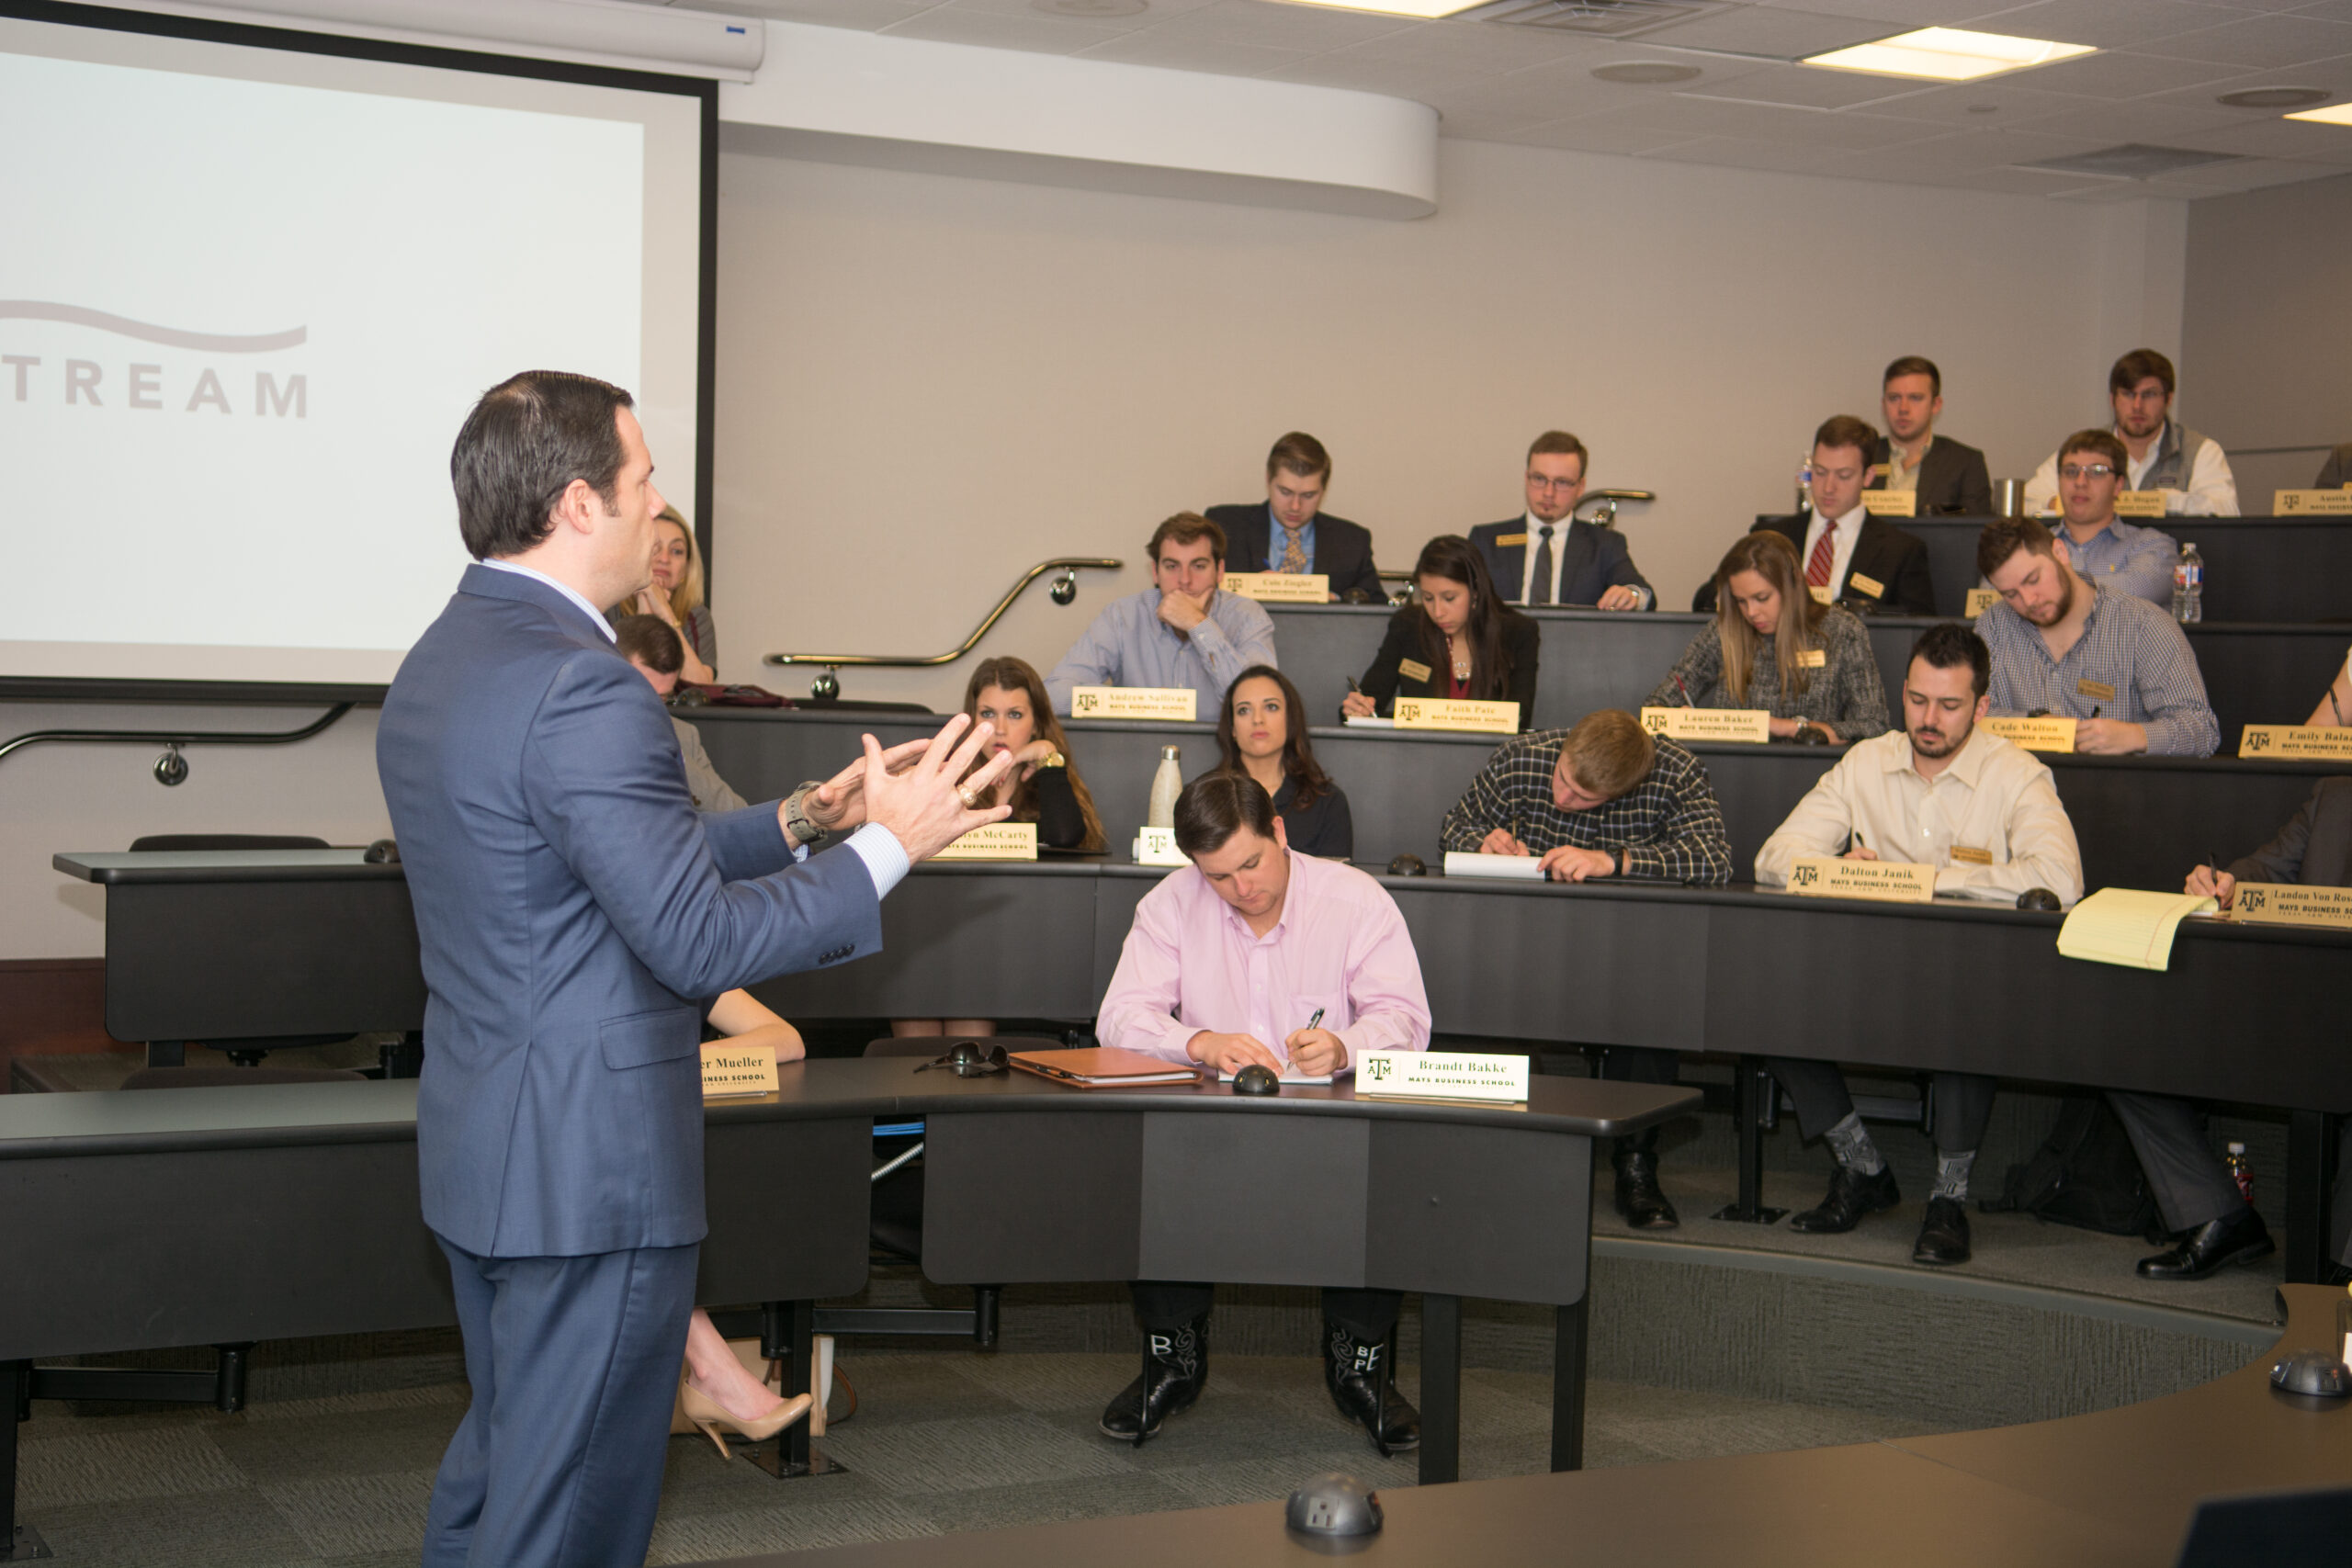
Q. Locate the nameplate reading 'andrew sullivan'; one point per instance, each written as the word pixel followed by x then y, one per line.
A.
pixel 1281 587
pixel 1890 881
pixel 1890 503
pixel 2311 503
pixel 1458 713
pixel 1752 725
pixel 1441 1075
pixel 2291 904
pixel 1981 600
pixel 2296 743
pixel 2048 733
pixel 998 840
pixel 728 1068
pixel 1173 703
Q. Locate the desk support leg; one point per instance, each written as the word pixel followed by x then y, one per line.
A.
pixel 19 1543
pixel 1441 1389
pixel 787 1334
pixel 2311 1150
pixel 1759 1103
pixel 1567 1385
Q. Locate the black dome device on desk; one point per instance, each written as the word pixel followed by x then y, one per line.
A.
pixel 383 851
pixel 2311 1372
pixel 2037 899
pixel 1407 865
pixel 1333 1505
pixel 1257 1078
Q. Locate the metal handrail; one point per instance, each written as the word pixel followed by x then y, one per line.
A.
pixel 171 768
pixel 1063 592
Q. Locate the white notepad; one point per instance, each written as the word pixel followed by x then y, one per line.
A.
pixel 1510 868
pixel 1360 721
pixel 2128 926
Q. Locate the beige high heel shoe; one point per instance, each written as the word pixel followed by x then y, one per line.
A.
pixel 711 1415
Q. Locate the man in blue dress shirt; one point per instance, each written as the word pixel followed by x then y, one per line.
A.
pixel 1184 630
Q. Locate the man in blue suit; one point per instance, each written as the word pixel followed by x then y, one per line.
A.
pixel 1548 555
pixel 574 912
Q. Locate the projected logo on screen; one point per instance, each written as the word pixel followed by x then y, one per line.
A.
pixel 86 383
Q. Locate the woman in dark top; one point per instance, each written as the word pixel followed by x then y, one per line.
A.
pixel 1262 731
pixel 1457 639
pixel 675 596
pixel 1773 646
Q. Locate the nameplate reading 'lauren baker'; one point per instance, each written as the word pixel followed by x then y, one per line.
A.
pixel 2140 503
pixel 2311 503
pixel 1458 713
pixel 1890 503
pixel 1172 703
pixel 998 840
pixel 1281 587
pixel 1750 724
pixel 1894 882
pixel 2295 742
pixel 1156 846
pixel 1441 1075
pixel 2290 903
pixel 1981 600
pixel 2047 733
pixel 728 1068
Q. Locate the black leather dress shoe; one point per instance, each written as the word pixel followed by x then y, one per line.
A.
pixel 1639 1197
pixel 1943 1234
pixel 1179 1367
pixel 1850 1197
pixel 2240 1237
pixel 1352 1371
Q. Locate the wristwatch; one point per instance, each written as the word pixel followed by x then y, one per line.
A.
pixel 796 821
pixel 1053 760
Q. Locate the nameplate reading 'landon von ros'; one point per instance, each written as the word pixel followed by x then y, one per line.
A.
pixel 1441 1075
pixel 998 840
pixel 2311 503
pixel 1458 713
pixel 2047 733
pixel 1281 587
pixel 1176 703
pixel 728 1068
pixel 1890 503
pixel 1156 846
pixel 1981 600
pixel 2290 903
pixel 1891 881
pixel 2140 503
pixel 1750 725
pixel 2295 742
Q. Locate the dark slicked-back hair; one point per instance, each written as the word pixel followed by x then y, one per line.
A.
pixel 1217 806
pixel 1299 453
pixel 2005 536
pixel 1947 645
pixel 651 642
pixel 1845 430
pixel 1916 365
pixel 521 447
pixel 2137 366
pixel 2102 442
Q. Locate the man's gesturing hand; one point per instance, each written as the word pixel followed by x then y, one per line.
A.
pixel 920 803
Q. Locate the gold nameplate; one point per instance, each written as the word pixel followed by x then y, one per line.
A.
pixel 1176 703
pixel 1812 658
pixel 1458 713
pixel 2097 691
pixel 1889 881
pixel 998 840
pixel 1890 503
pixel 1749 726
pixel 2296 743
pixel 1869 585
pixel 1981 600
pixel 2047 734
pixel 2140 503
pixel 1412 670
pixel 728 1068
pixel 1279 587
pixel 1823 596
pixel 1505 541
pixel 1968 855
pixel 2311 503
pixel 2288 903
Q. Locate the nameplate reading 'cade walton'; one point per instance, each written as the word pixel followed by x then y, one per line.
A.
pixel 1753 725
pixel 2295 742
pixel 998 840
pixel 2291 904
pixel 1281 587
pixel 1172 703
pixel 1889 881
pixel 1443 1074
pixel 730 1069
pixel 2046 733
pixel 2311 503
pixel 1458 713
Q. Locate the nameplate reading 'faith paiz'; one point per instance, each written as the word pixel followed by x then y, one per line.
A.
pixel 1890 881
pixel 1753 725
pixel 2289 904
pixel 998 840
pixel 1981 600
pixel 2295 742
pixel 1441 1075
pixel 1890 503
pixel 2140 503
pixel 1156 846
pixel 1281 587
pixel 2311 503
pixel 1458 713
pixel 2048 733
pixel 1176 703
pixel 728 1068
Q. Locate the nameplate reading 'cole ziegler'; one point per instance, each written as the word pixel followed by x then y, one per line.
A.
pixel 2311 503
pixel 1751 725
pixel 1281 587
pixel 1174 702
pixel 1458 713
pixel 998 840
pixel 728 1068
pixel 2140 503
pixel 1981 600
pixel 2295 742
pixel 1441 1075
pixel 1894 882
pixel 1156 846
pixel 2048 733
pixel 2291 904
pixel 1890 503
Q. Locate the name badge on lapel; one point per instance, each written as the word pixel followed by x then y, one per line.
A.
pixel 1505 541
pixel 1412 670
pixel 2097 691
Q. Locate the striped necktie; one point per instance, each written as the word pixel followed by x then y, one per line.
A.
pixel 1816 568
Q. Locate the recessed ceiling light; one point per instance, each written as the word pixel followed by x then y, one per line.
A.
pixel 1645 73
pixel 1427 10
pixel 2334 114
pixel 1948 54
pixel 2274 97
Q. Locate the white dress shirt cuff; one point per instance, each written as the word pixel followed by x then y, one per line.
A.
pixel 885 857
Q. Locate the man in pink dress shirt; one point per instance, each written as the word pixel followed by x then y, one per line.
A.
pixel 1256 955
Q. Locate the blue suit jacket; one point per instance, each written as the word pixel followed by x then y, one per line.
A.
pixel 573 909
pixel 1593 560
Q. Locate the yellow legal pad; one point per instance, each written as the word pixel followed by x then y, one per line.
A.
pixel 2128 926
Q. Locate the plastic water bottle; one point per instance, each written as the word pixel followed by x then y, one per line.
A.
pixel 1804 481
pixel 2241 1171
pixel 2189 586
pixel 1166 785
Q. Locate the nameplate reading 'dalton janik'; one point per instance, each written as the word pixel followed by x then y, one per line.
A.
pixel 1831 876
pixel 1172 703
pixel 998 840
pixel 730 1069
pixel 1748 726
pixel 1443 1074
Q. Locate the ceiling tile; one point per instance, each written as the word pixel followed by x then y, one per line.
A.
pixel 1399 78
pixel 1978 105
pixel 1485 45
pixel 1900 16
pixel 1726 153
pixel 1806 87
pixel 2260 42
pixel 1760 122
pixel 1769 30
pixel 2296 140
pixel 2139 120
pixel 2121 75
pixel 2252 173
pixel 1035 33
pixel 1152 47
pixel 2328 10
pixel 2108 24
pixel 1471 126
pixel 1025 11
pixel 1270 25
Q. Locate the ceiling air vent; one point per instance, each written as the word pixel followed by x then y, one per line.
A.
pixel 2133 161
pixel 1603 18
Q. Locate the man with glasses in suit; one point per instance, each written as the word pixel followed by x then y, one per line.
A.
pixel 1549 556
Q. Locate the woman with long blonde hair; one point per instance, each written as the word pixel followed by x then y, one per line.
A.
pixel 1773 646
pixel 675 596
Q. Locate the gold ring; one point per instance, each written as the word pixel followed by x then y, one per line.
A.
pixel 973 799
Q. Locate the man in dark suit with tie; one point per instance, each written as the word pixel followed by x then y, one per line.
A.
pixel 1291 532
pixel 575 914
pixel 1548 555
pixel 1848 555
pixel 1948 476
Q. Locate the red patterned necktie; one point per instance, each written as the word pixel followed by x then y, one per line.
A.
pixel 1816 568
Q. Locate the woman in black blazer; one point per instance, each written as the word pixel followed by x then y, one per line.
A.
pixel 1457 639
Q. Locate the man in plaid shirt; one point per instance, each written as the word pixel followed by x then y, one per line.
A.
pixel 1604 799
